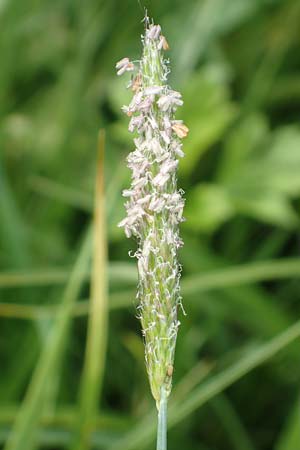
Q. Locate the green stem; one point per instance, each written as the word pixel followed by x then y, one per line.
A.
pixel 162 421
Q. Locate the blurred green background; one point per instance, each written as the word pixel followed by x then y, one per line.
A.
pixel 236 381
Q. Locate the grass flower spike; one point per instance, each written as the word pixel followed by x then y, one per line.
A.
pixel 154 209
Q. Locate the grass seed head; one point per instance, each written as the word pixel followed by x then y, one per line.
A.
pixel 154 204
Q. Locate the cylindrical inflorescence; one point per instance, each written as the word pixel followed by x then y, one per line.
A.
pixel 154 204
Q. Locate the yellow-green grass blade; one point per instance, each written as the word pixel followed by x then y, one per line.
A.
pixel 126 272
pixel 117 271
pixel 65 417
pixel 35 312
pixel 95 353
pixel 243 274
pixel 123 272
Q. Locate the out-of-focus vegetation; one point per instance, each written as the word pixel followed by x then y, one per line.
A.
pixel 236 386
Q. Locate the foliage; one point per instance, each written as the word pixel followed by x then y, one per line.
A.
pixel 237 65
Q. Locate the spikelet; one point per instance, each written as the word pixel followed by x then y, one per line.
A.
pixel 154 204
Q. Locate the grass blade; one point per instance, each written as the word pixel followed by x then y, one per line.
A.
pixel 118 271
pixel 126 272
pixel 58 191
pixel 145 431
pixel 122 271
pixel 289 438
pixel 232 424
pixel 24 430
pixel 242 274
pixel 94 363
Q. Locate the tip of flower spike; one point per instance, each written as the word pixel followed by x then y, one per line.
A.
pixel 153 32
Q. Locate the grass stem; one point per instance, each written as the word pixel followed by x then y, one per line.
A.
pixel 162 421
